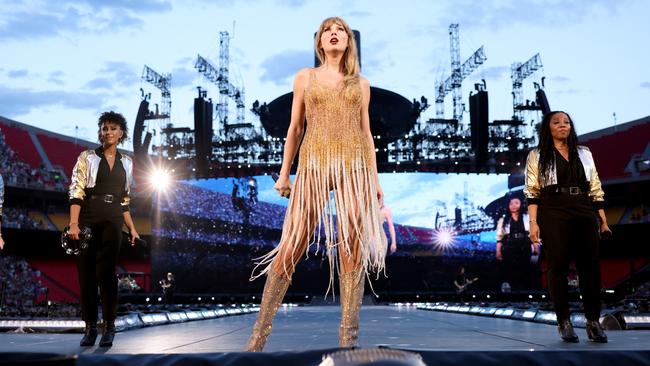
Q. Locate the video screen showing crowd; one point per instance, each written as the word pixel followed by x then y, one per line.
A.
pixel 211 232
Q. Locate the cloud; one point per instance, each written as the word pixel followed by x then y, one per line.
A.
pixel 123 73
pixel 24 25
pixel 560 79
pixel 16 74
pixel 116 19
pixel 495 72
pixel 114 74
pixel 358 14
pixel 184 61
pixel 569 91
pixel 142 6
pixel 293 3
pixel 645 84
pixel 377 60
pixel 47 19
pixel 182 76
pixel 55 77
pixel 99 83
pixel 280 67
pixel 18 101
pixel 497 15
pixel 220 4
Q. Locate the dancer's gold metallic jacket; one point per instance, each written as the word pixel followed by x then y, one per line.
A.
pixel 536 181
pixel 84 175
pixel 334 157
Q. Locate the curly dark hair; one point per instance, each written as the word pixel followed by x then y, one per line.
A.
pixel 114 118
pixel 522 203
pixel 547 148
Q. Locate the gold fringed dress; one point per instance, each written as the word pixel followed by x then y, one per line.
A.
pixel 334 193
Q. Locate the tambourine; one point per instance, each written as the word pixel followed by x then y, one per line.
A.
pixel 75 247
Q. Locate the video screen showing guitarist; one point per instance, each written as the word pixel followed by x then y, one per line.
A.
pixel 461 283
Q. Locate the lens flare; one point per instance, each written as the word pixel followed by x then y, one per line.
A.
pixel 160 179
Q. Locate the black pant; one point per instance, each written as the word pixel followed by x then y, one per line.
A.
pixel 516 266
pixel 96 266
pixel 569 231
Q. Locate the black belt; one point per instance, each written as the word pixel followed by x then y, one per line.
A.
pixel 569 191
pixel 106 198
pixel 517 236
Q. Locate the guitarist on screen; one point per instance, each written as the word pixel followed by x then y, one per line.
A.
pixel 461 282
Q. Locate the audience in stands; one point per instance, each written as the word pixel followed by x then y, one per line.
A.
pixel 17 173
pixel 640 216
pixel 20 287
pixel 19 219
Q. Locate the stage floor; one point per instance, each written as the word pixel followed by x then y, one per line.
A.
pixel 316 328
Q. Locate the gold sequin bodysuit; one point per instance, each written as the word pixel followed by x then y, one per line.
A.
pixel 334 194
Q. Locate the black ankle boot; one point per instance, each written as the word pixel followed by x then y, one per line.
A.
pixel 566 331
pixel 108 335
pixel 595 332
pixel 90 335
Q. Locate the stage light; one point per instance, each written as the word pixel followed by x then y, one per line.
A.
pixel 444 238
pixel 529 314
pixel 159 299
pixel 193 315
pixel 41 324
pixel 637 321
pixel 147 299
pixel 544 316
pixel 160 179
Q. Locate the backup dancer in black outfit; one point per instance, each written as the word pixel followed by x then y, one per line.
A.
pixel 563 192
pixel 514 247
pixel 99 199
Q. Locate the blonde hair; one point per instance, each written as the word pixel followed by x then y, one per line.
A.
pixel 350 66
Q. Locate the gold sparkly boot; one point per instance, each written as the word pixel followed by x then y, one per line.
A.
pixel 351 297
pixel 274 291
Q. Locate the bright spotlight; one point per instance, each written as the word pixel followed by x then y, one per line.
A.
pixel 444 239
pixel 160 179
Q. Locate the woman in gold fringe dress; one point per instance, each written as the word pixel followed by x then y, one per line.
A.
pixel 337 171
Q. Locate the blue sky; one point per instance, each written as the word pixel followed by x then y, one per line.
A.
pixel 63 62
